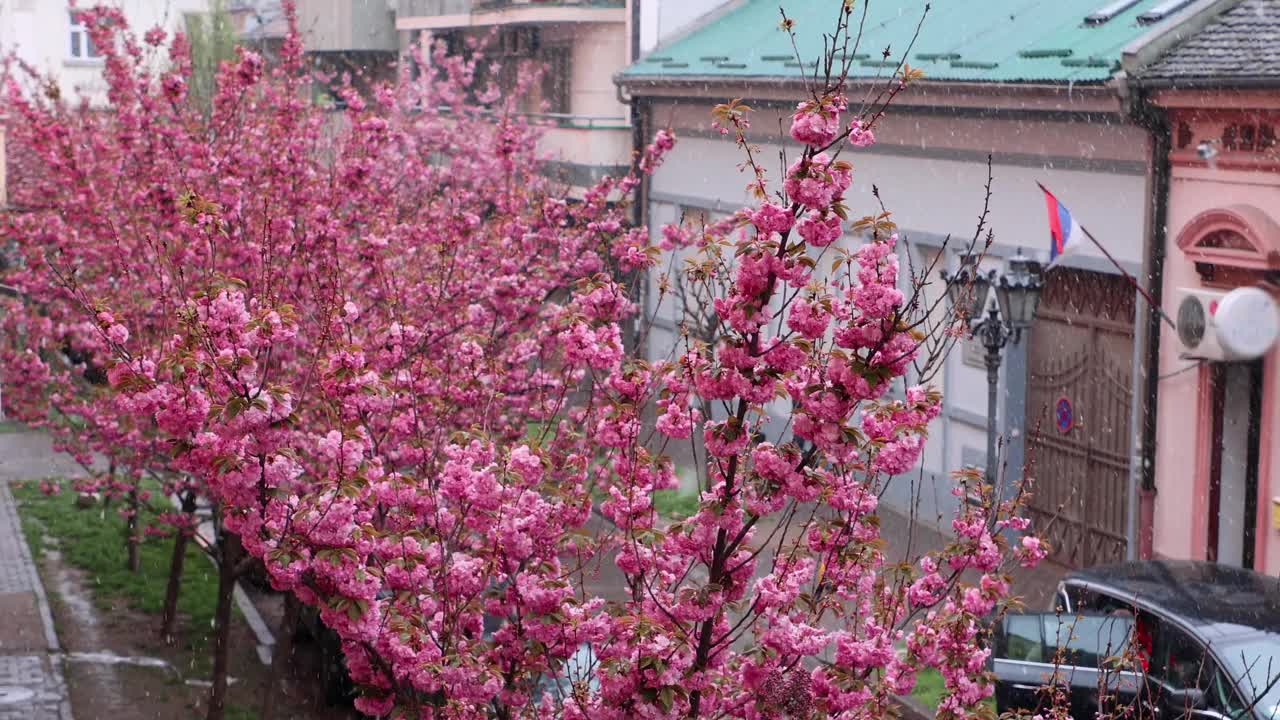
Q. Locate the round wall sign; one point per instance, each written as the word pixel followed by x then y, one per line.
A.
pixel 1064 415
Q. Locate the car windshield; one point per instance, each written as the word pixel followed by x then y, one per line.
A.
pixel 1255 667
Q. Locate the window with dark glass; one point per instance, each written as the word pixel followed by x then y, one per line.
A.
pixel 81 47
pixel 1249 137
pixel 1178 661
pixel 1023 640
pixel 1223 696
pixel 1091 641
pixel 1249 676
pixel 555 78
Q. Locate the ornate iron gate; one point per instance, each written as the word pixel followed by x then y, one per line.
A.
pixel 1078 436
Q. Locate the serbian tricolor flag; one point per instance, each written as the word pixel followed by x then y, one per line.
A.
pixel 1064 232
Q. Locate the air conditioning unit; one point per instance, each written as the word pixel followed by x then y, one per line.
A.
pixel 1224 326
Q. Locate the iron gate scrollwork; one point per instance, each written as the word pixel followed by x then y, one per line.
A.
pixel 1078 436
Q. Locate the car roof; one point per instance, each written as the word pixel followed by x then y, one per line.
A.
pixel 1216 600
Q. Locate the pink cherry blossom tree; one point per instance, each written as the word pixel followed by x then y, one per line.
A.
pixel 391 354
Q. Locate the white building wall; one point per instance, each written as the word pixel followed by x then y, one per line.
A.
pixel 599 50
pixel 937 195
pixel 39 31
pixel 934 192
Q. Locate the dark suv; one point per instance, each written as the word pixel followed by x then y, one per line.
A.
pixel 1170 639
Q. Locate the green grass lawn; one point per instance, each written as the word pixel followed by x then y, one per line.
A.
pixel 92 539
pixel 929 689
pixel 675 504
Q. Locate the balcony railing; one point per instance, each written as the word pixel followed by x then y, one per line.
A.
pixel 564 120
pixel 432 8
pixel 502 4
pixel 583 122
pixel 449 14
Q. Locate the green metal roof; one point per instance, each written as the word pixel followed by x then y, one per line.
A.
pixel 972 40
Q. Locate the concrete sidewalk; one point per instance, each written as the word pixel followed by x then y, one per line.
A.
pixel 29 455
pixel 32 686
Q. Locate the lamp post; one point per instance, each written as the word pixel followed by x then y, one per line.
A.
pixel 1017 295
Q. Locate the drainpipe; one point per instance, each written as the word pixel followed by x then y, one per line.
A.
pixel 635 30
pixel 1137 378
pixel 643 134
pixel 639 139
pixel 1147 500
pixel 1155 120
pixel 640 213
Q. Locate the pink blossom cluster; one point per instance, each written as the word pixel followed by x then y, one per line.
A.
pixel 402 363
pixel 817 122
pixel 815 181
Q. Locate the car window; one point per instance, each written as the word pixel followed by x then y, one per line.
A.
pixel 1178 661
pixel 1023 640
pixel 1092 641
pixel 1080 599
pixel 1254 666
pixel 1223 697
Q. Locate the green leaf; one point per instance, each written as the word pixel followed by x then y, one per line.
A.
pixel 666 698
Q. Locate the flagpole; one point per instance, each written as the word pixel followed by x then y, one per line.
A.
pixel 1132 281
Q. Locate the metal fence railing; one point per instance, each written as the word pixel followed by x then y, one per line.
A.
pixel 586 122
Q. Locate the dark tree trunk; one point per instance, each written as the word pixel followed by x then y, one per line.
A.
pixel 230 553
pixel 132 536
pixel 281 656
pixel 110 488
pixel 169 614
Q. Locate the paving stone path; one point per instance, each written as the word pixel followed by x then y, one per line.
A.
pixel 32 686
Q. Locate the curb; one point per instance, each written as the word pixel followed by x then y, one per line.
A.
pixel 37 585
pixel 266 641
pixel 913 709
pixel 42 602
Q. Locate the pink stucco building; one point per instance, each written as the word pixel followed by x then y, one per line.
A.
pixel 1217 452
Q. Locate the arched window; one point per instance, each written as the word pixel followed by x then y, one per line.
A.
pixel 1239 236
pixel 1225 239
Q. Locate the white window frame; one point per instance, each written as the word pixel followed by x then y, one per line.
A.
pixel 88 52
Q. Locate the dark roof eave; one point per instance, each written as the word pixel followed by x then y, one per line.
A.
pixel 659 87
pixel 1207 83
pixel 631 82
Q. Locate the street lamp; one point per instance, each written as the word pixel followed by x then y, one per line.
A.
pixel 967 289
pixel 1017 295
